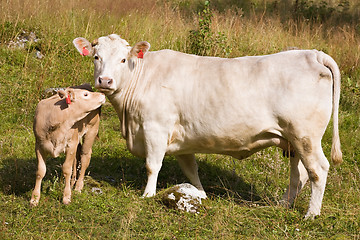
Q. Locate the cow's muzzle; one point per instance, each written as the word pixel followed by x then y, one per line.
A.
pixel 104 83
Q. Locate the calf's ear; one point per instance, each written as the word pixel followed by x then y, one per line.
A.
pixel 140 49
pixel 84 47
pixel 61 93
pixel 70 94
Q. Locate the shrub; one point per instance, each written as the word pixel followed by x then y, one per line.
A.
pixel 202 41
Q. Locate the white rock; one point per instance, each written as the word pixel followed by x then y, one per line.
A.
pixel 184 197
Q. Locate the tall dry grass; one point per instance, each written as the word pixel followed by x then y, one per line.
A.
pixel 165 24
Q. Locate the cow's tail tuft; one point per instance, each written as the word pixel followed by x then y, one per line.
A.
pixel 329 62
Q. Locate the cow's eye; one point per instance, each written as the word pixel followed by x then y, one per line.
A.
pixel 96 57
pixel 123 61
pixel 85 94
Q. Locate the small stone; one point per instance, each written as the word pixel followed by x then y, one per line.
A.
pixel 39 55
pixel 96 190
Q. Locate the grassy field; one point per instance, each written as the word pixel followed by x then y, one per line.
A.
pixel 243 195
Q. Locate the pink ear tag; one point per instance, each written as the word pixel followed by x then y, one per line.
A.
pixel 68 100
pixel 140 54
pixel 85 52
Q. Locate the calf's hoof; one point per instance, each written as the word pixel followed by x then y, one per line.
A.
pixel 79 187
pixel 34 202
pixel 66 200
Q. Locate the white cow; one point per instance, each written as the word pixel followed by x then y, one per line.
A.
pixel 174 103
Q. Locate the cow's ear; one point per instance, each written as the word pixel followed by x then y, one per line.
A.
pixel 84 47
pixel 140 47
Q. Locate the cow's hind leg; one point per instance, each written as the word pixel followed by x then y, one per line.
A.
pixel 190 169
pixel 317 167
pixel 298 178
pixel 40 173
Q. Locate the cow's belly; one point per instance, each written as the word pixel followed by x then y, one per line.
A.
pixel 240 146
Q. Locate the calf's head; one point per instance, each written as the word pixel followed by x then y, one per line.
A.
pixel 114 60
pixel 80 102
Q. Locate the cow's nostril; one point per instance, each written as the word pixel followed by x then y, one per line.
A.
pixel 100 80
pixel 110 82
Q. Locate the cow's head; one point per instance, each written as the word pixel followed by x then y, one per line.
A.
pixel 114 60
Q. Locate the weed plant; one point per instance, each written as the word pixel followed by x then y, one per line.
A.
pixel 243 195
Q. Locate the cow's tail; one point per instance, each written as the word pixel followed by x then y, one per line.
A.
pixel 329 62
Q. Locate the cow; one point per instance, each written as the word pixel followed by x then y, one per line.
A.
pixel 59 124
pixel 172 103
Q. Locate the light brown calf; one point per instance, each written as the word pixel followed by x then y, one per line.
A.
pixel 59 124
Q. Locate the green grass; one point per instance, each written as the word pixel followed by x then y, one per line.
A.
pixel 243 195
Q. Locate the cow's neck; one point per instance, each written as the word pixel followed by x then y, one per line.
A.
pixel 125 101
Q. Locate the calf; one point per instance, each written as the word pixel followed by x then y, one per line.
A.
pixel 59 124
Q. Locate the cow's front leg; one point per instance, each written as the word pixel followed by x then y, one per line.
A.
pixel 155 146
pixel 153 166
pixel 190 169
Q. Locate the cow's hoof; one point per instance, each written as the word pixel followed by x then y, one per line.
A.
pixel 311 216
pixel 284 203
pixel 202 194
pixel 148 195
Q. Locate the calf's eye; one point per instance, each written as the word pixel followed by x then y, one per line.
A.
pixel 96 58
pixel 124 60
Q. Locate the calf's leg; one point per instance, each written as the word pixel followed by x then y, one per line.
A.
pixel 86 151
pixel 67 168
pixel 85 161
pixel 40 173
pixel 77 159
